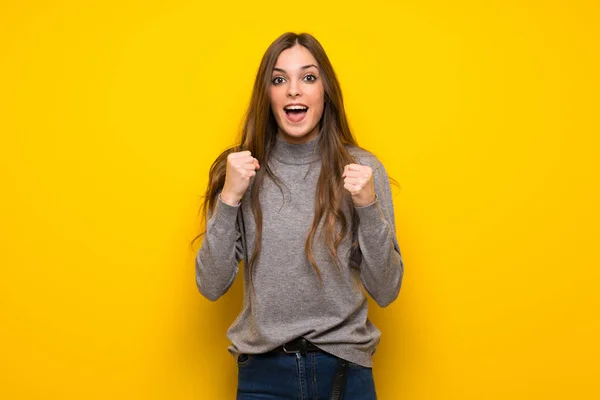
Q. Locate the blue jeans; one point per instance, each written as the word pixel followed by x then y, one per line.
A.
pixel 293 376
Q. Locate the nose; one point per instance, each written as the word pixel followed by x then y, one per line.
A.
pixel 294 90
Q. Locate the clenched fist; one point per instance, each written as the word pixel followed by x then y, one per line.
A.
pixel 241 167
pixel 358 180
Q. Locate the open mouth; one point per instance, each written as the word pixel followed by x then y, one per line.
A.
pixel 296 113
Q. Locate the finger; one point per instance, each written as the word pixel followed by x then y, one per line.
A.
pixel 245 159
pixel 239 162
pixel 239 154
pixel 364 170
pixel 256 163
pixel 358 174
pixel 356 170
pixel 352 174
pixel 249 174
pixel 351 188
pixel 246 173
pixel 358 181
pixel 249 166
pixel 355 180
pixel 345 171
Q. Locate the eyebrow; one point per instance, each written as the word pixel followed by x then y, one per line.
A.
pixel 302 68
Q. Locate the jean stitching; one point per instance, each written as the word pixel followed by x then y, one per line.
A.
pixel 304 383
pixel 299 366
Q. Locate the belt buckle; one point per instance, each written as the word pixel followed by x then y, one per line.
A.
pixel 302 349
pixel 287 351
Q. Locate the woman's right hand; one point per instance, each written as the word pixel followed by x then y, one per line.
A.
pixel 241 167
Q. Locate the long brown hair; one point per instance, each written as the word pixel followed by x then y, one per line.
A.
pixel 259 137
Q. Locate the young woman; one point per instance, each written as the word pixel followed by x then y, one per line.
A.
pixel 311 215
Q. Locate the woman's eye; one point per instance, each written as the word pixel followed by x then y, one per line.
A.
pixel 310 78
pixel 278 80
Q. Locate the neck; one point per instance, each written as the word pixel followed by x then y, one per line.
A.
pixel 297 153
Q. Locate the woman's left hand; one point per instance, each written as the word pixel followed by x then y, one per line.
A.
pixel 358 180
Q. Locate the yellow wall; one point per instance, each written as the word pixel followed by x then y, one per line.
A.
pixel 487 113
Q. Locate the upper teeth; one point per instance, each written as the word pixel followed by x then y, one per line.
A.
pixel 296 108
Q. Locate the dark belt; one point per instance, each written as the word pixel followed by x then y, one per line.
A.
pixel 299 345
pixel 303 346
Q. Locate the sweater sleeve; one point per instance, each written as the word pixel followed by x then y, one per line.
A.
pixel 381 267
pixel 222 249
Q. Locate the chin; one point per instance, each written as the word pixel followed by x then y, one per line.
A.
pixel 298 132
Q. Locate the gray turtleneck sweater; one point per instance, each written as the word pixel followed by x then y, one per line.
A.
pixel 289 302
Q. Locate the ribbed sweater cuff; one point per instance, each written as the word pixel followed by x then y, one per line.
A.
pixel 371 213
pixel 224 216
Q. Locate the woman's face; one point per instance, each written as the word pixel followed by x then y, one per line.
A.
pixel 297 95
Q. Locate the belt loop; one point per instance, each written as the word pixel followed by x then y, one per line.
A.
pixel 303 346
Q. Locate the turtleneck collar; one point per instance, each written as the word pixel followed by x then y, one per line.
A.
pixel 297 154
